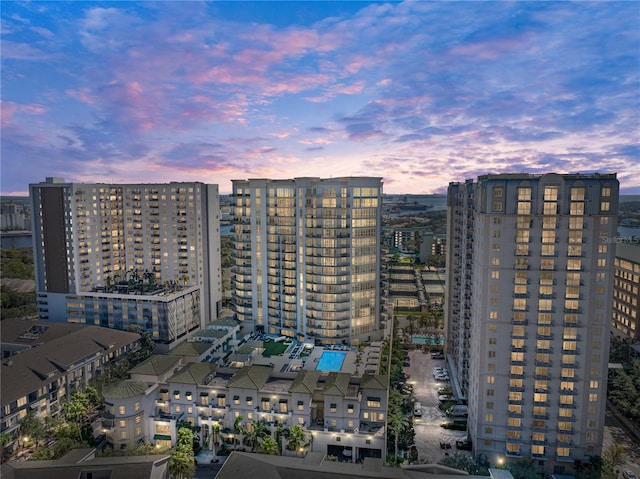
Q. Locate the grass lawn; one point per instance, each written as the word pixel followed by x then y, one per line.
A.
pixel 273 348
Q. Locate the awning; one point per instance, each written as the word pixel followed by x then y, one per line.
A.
pixel 236 398
pixel 283 401
pixel 161 437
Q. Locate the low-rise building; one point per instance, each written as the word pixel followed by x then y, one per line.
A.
pixel 43 361
pixel 339 410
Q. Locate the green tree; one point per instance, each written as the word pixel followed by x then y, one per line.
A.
pixel 238 429
pixel 615 455
pixel 523 469
pixel 31 426
pixel 181 462
pixel 297 437
pixel 269 446
pixel 397 422
pixel 474 465
pixel 215 431
pixel 181 465
pixel 75 411
pixel 255 432
pixel 5 440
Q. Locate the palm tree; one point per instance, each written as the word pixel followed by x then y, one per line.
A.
pixel 255 432
pixel 269 446
pixel 215 429
pixel 411 319
pixel 238 429
pixel 397 423
pixel 297 437
pixel 279 433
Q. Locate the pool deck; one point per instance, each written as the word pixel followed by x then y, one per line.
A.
pixel 369 360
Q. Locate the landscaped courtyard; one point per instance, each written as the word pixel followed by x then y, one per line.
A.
pixel 274 348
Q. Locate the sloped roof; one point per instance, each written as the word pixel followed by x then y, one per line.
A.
pixel 124 389
pixel 51 353
pixel 305 382
pixel 156 364
pixel 193 373
pixel 374 381
pixel 337 384
pixel 251 377
pixel 190 349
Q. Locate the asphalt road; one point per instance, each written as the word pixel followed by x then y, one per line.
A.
pixel 429 434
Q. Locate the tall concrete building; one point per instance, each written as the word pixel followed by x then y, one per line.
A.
pixel 530 294
pixel 625 319
pixel 307 257
pixel 123 255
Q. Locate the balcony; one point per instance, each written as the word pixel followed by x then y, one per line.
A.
pixel 512 453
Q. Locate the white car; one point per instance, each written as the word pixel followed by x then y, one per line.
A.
pixel 417 410
pixel 628 474
pixel 442 377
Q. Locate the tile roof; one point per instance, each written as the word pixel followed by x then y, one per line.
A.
pixel 193 373
pixel 190 349
pixel 251 377
pixel 374 381
pixel 156 364
pixel 305 382
pixel 52 353
pixel 337 384
pixel 124 389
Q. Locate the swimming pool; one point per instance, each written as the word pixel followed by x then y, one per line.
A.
pixel 331 361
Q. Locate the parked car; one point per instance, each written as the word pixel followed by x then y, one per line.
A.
pixel 628 474
pixel 464 445
pixel 417 409
pixel 437 356
pixel 456 425
pixel 458 411
pixel 441 377
pixel 445 445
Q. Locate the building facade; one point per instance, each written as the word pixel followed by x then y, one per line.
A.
pixel 538 276
pixel 626 294
pixel 44 362
pixel 307 257
pixel 141 255
pixel 338 410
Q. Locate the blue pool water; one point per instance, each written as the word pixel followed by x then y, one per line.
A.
pixel 331 361
pixel 425 340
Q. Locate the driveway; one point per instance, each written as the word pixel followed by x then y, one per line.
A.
pixel 429 434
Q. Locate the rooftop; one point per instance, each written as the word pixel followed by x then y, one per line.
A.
pixel 52 349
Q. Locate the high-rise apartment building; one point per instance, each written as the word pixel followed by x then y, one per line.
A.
pixel 124 255
pixel 625 319
pixel 530 288
pixel 307 257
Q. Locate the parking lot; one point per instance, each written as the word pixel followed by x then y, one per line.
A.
pixel 429 434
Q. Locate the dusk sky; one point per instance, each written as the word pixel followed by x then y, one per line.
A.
pixel 418 93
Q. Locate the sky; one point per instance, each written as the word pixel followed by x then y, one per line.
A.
pixel 419 93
